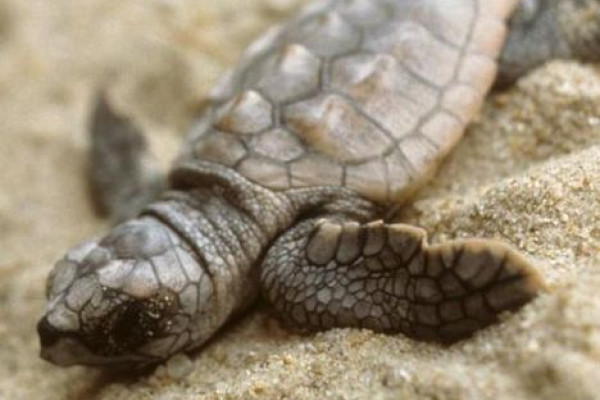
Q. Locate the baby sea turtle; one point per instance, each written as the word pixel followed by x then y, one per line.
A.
pixel 282 184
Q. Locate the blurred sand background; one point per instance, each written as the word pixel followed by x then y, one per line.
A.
pixel 528 172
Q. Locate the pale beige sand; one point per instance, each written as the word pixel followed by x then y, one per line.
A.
pixel 527 172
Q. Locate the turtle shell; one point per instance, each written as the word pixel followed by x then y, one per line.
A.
pixel 367 94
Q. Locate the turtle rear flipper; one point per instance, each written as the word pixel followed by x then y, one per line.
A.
pixel 542 30
pixel 338 273
pixel 122 175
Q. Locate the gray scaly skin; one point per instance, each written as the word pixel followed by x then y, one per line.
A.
pixel 249 212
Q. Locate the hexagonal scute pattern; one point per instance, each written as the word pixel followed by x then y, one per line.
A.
pixel 367 94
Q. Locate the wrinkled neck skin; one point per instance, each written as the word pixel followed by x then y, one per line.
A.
pixel 227 237
pixel 229 222
pixel 166 281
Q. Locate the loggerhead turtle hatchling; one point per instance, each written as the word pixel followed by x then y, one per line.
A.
pixel 281 186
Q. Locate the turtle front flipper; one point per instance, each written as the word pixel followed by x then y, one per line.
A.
pixel 122 176
pixel 542 30
pixel 335 272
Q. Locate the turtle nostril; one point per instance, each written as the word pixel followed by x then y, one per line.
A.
pixel 49 335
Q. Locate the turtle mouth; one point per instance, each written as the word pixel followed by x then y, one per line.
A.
pixel 65 349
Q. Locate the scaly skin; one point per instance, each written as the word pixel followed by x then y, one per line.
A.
pixel 166 281
pixel 388 279
pixel 280 187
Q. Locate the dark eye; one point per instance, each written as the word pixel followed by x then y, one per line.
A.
pixel 131 327
pixel 119 332
pixel 131 323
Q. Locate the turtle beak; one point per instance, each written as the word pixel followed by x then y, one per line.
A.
pixel 58 347
pixel 49 337
pixel 48 334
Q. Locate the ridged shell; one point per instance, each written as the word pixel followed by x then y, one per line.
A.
pixel 368 94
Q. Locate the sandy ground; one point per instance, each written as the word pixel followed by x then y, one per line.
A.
pixel 528 172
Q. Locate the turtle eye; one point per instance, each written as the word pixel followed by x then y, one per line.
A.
pixel 131 324
pixel 129 328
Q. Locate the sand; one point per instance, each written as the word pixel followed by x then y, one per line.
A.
pixel 528 172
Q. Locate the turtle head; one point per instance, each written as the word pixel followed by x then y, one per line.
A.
pixel 124 300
